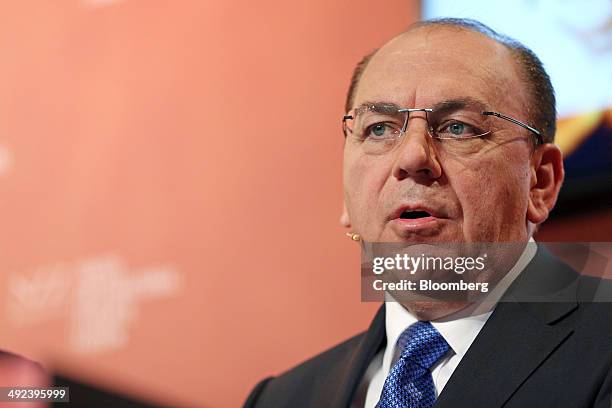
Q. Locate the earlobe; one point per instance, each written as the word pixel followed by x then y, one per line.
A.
pixel 344 218
pixel 546 178
pixel 537 212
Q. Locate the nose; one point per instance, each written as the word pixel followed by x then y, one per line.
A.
pixel 416 156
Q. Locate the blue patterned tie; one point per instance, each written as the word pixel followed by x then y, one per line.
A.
pixel 409 383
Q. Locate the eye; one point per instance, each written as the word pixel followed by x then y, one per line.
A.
pixel 378 129
pixel 381 130
pixel 455 129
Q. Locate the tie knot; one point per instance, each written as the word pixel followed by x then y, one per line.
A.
pixel 422 344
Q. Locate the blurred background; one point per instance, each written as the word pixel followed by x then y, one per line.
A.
pixel 170 178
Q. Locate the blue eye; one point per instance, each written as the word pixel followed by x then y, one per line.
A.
pixel 379 129
pixel 456 128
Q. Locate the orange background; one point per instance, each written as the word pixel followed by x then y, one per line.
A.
pixel 200 139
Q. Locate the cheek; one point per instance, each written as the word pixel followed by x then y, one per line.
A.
pixel 493 195
pixel 364 180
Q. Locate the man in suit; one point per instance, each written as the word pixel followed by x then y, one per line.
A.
pixel 449 139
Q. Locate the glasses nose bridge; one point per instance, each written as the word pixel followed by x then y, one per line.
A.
pixel 410 115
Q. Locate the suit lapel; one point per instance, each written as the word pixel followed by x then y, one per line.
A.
pixel 508 349
pixel 522 332
pixel 346 379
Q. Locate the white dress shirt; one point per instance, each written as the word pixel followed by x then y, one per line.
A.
pixel 458 332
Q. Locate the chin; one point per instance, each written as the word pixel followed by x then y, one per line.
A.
pixel 432 310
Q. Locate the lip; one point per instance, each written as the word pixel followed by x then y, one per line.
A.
pixel 397 213
pixel 404 226
pixel 425 225
pixel 417 222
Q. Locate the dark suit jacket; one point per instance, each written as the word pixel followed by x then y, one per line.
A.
pixel 547 344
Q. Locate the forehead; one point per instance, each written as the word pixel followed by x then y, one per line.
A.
pixel 426 65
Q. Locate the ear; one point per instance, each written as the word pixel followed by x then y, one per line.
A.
pixel 547 175
pixel 344 218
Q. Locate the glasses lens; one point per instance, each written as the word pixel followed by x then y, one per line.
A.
pixel 377 128
pixel 459 127
pixel 458 123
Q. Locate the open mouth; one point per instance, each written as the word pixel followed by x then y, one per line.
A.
pixel 414 215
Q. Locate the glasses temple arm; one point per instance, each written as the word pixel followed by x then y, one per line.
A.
pixel 517 122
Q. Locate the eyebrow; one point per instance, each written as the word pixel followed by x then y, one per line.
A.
pixel 460 103
pixel 380 107
pixel 442 106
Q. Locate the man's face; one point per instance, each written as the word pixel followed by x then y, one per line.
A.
pixel 479 195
